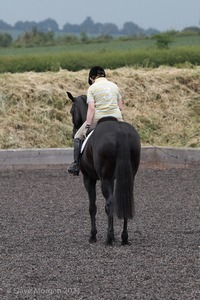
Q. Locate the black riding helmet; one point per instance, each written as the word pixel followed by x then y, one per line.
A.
pixel 94 72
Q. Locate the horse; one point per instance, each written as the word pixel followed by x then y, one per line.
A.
pixel 111 156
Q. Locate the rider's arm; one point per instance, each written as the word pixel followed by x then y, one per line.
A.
pixel 90 112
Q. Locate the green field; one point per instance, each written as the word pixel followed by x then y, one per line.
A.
pixel 117 44
pixel 112 54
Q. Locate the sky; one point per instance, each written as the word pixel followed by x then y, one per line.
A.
pixel 159 14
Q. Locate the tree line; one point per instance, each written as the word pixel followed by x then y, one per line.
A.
pixel 88 26
pixel 45 33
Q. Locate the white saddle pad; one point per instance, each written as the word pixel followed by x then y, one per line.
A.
pixel 85 141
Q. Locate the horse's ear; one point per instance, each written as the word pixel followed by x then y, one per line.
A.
pixel 70 96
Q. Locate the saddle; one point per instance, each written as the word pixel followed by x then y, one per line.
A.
pixel 105 119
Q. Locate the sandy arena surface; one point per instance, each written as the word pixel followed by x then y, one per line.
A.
pixel 45 253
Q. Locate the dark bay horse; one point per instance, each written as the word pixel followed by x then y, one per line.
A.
pixel 111 155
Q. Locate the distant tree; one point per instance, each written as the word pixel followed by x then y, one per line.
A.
pixel 4 25
pixel 88 25
pixel 25 26
pixel 109 28
pixel 151 31
pixel 48 25
pixel 35 38
pixel 130 28
pixel 163 40
pixel 69 28
pixel 5 40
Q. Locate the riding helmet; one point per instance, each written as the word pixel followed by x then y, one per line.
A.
pixel 96 71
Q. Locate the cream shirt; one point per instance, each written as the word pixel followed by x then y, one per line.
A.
pixel 105 94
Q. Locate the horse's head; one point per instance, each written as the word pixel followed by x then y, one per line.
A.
pixel 78 111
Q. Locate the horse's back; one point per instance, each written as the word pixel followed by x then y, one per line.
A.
pixel 110 138
pixel 108 135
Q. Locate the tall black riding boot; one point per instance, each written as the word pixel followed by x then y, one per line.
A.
pixel 74 168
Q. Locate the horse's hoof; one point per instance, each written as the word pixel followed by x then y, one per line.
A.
pixel 125 243
pixel 92 240
pixel 109 242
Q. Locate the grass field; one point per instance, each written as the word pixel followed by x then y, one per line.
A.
pixel 117 45
pixel 112 55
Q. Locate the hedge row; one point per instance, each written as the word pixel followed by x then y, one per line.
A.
pixel 75 61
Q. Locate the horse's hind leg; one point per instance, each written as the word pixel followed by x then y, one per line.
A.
pixel 90 186
pixel 125 233
pixel 107 191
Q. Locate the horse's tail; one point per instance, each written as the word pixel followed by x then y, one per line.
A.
pixel 124 199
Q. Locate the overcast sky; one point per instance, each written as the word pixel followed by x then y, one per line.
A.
pixel 160 14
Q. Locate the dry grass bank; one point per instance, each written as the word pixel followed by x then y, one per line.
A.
pixel 163 104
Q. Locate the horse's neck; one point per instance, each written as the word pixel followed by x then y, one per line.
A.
pixel 83 114
pixel 82 109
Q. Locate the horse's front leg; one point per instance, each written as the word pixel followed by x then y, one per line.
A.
pixel 110 232
pixel 90 186
pixel 107 190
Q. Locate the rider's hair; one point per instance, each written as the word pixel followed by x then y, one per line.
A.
pixel 94 72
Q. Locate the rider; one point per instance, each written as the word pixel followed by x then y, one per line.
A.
pixel 104 99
